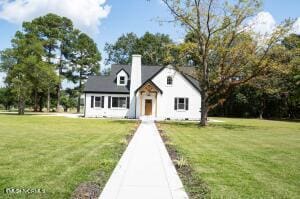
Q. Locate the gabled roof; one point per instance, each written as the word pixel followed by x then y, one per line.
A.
pixel 108 84
pixel 150 82
pixel 122 69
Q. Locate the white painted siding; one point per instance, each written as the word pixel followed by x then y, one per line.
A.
pixel 180 88
pixel 104 112
pixel 135 82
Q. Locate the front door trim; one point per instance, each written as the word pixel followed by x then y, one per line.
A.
pixel 148 106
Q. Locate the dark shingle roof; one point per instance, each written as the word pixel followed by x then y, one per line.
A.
pixel 108 84
pixel 192 80
pixel 189 70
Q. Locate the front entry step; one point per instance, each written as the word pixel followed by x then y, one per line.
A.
pixel 147 118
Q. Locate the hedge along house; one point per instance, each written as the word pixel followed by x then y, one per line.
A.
pixel 132 91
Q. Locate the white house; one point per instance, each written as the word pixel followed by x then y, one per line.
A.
pixel 132 91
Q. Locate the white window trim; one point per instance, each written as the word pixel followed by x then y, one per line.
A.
pixel 184 104
pixel 169 85
pixel 98 107
pixel 118 108
pixel 122 84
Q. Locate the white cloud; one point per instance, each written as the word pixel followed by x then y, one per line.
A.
pixel 296 26
pixel 85 14
pixel 263 23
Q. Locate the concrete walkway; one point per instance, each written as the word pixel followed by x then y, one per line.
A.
pixel 145 171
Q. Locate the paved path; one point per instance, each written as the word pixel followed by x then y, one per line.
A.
pixel 145 171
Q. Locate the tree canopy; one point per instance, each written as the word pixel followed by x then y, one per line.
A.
pixel 85 59
pixel 228 53
pixel 154 48
pixel 47 51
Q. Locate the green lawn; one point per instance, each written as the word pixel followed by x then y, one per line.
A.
pixel 241 158
pixel 57 153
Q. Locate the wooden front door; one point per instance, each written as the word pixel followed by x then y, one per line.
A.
pixel 148 107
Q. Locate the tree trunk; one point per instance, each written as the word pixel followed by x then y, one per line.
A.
pixel 41 103
pixel 261 114
pixel 35 108
pixel 204 109
pixel 262 107
pixel 78 104
pixel 48 100
pixel 59 84
pixel 21 106
pixel 78 100
pixel 58 97
pixel 204 95
pixel 48 93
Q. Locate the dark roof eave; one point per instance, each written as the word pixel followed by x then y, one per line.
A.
pixel 106 92
pixel 122 69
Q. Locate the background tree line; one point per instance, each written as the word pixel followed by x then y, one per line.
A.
pixel 273 94
pixel 46 52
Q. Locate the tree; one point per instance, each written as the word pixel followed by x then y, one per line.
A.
pixel 25 68
pixel 106 71
pixel 227 53
pixel 154 48
pixel 85 61
pixel 17 62
pixel 42 55
pixel 55 32
pixel 274 95
pixel 290 83
pixel 121 51
pixel 68 99
pixel 6 98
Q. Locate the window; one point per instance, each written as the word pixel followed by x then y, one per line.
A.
pixel 122 80
pixel 169 80
pixel 181 103
pixel 97 101
pixel 119 102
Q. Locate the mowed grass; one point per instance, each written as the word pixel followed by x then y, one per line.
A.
pixel 241 158
pixel 57 153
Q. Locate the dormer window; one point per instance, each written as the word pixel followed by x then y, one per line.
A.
pixel 122 80
pixel 169 80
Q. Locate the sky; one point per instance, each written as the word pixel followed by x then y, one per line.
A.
pixel 106 20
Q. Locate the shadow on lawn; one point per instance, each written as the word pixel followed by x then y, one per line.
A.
pixel 227 126
pixel 235 127
pixel 123 121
